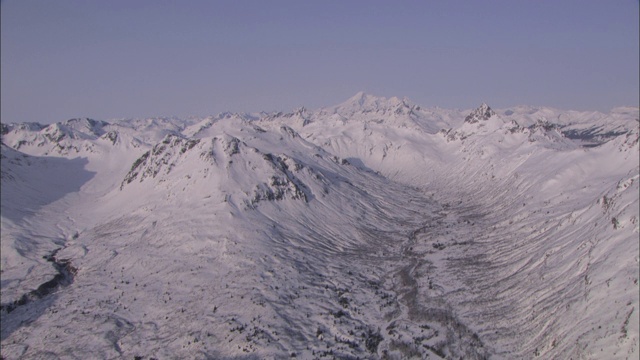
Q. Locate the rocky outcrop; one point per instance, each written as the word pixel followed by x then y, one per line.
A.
pixel 482 113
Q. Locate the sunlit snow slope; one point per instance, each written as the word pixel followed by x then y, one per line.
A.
pixel 372 229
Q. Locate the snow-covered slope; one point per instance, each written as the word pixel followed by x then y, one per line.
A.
pixel 372 229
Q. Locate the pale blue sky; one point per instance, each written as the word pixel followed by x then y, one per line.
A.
pixel 136 58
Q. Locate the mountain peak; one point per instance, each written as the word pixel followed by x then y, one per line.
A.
pixel 363 102
pixel 483 112
pixel 361 98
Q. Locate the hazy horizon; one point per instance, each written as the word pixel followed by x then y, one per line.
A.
pixel 119 59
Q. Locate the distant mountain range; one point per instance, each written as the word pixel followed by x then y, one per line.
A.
pixel 376 228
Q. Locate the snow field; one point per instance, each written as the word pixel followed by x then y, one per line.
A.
pixel 373 229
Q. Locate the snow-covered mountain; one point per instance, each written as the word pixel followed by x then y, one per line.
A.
pixel 376 228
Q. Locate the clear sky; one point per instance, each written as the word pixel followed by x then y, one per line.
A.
pixel 108 59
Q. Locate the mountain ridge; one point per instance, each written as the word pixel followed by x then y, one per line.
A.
pixel 375 229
